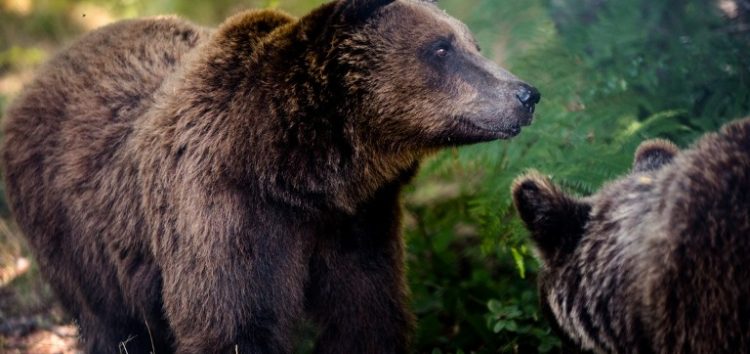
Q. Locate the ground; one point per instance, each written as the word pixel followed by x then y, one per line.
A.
pixel 31 320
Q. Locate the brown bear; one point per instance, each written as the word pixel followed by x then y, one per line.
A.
pixel 655 261
pixel 194 190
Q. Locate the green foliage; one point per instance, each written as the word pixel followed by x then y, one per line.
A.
pixel 15 57
pixel 517 317
pixel 611 73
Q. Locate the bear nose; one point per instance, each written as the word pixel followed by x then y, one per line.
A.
pixel 528 96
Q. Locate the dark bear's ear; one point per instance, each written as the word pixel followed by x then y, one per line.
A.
pixel 355 11
pixel 653 154
pixel 556 221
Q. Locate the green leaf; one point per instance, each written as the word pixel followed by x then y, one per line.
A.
pixel 511 326
pixel 518 258
pixel 512 312
pixel 495 306
pixel 499 326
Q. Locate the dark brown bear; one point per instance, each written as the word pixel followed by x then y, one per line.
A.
pixel 655 262
pixel 210 189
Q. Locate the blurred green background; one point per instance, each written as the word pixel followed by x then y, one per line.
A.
pixel 611 73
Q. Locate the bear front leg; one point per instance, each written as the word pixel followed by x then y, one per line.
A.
pixel 233 277
pixel 357 296
pixel 237 303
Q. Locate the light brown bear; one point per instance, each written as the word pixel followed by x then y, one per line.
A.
pixel 197 191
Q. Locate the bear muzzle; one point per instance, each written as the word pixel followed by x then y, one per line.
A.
pixel 529 96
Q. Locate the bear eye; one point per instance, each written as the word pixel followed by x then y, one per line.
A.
pixel 442 51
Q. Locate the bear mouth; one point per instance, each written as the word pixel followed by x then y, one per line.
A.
pixel 492 129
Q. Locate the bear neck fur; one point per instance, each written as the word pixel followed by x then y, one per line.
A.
pixel 266 85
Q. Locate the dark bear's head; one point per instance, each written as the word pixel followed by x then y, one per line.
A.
pixel 416 76
pixel 557 220
pixel 559 223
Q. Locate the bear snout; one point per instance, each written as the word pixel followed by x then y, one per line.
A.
pixel 528 96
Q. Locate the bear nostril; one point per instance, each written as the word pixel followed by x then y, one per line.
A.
pixel 528 96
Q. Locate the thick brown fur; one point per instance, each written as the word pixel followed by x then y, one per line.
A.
pixel 654 262
pixel 210 188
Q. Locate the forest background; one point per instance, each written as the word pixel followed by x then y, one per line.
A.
pixel 611 73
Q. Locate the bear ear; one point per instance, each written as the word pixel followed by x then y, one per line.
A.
pixel 556 221
pixel 355 11
pixel 653 154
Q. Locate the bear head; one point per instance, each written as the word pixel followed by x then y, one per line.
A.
pixel 414 76
pixel 560 223
pixel 557 220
